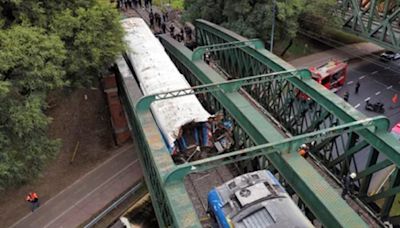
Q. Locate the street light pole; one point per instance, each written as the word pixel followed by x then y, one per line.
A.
pixel 273 25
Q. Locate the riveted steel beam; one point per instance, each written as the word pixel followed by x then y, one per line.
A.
pixel 227 87
pixel 384 143
pixel 199 52
pixel 374 20
pixel 327 205
pixel 287 145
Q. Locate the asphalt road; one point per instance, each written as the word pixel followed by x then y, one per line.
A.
pixel 378 82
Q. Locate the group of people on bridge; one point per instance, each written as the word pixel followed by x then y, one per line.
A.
pixel 126 4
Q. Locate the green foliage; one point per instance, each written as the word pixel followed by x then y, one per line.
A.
pixel 210 10
pixel 31 59
pixel 92 37
pixel 174 4
pixel 253 18
pixel 45 45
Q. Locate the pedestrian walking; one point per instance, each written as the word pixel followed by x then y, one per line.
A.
pixel 207 57
pixel 346 96
pixel 348 182
pixel 151 17
pixel 33 199
pixel 188 32
pixel 395 99
pixel 357 87
pixel 172 30
pixel 157 19
pixel 182 36
pixel 129 3
pixel 163 27
pixel 121 4
pixel 165 16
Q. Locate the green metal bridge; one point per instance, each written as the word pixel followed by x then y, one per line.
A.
pixel 270 123
pixel 375 20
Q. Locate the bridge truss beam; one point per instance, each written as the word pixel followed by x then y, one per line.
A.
pixel 374 20
pixel 323 110
pixel 255 129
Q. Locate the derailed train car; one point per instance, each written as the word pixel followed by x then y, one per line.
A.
pixel 255 200
pixel 177 118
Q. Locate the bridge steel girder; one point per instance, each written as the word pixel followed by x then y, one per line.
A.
pixel 384 143
pixel 311 187
pixel 377 21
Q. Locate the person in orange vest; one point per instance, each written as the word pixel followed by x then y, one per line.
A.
pixel 395 99
pixel 33 198
pixel 303 151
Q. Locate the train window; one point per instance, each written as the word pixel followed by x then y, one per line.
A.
pixel 232 185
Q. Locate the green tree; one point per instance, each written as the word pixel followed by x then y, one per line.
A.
pixel 45 45
pixel 90 31
pixel 253 18
pixel 30 66
pixel 93 37
pixel 31 60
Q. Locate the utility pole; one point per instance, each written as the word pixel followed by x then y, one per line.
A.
pixel 273 25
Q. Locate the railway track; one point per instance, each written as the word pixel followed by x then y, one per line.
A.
pixel 199 184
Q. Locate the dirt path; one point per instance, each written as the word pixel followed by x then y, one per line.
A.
pixel 74 119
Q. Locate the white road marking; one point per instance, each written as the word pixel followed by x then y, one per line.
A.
pixel 350 82
pixel 367 99
pixel 375 72
pixel 357 105
pixel 363 77
pixel 377 93
pixel 389 87
pixel 387 68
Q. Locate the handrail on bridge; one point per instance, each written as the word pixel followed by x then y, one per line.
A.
pixel 288 145
pixel 198 53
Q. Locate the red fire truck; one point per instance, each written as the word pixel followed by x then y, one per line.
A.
pixel 332 75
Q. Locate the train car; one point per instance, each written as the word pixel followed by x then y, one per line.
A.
pixel 255 200
pixel 156 73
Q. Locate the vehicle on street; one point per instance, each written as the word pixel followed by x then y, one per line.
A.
pixel 332 75
pixel 255 200
pixel 375 107
pixel 396 131
pixel 389 56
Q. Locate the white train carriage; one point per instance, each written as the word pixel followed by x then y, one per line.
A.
pixel 156 73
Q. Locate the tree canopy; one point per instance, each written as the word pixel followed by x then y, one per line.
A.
pixel 45 45
pixel 253 18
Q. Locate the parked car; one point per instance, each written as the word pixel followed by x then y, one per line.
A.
pixel 389 56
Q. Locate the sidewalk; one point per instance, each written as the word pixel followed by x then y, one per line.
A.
pixel 88 195
pixel 346 52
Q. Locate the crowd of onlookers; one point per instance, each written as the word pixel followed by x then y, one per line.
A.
pixel 126 4
pixel 158 21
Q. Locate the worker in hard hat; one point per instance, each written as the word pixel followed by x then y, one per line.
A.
pixel 348 182
pixel 303 151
